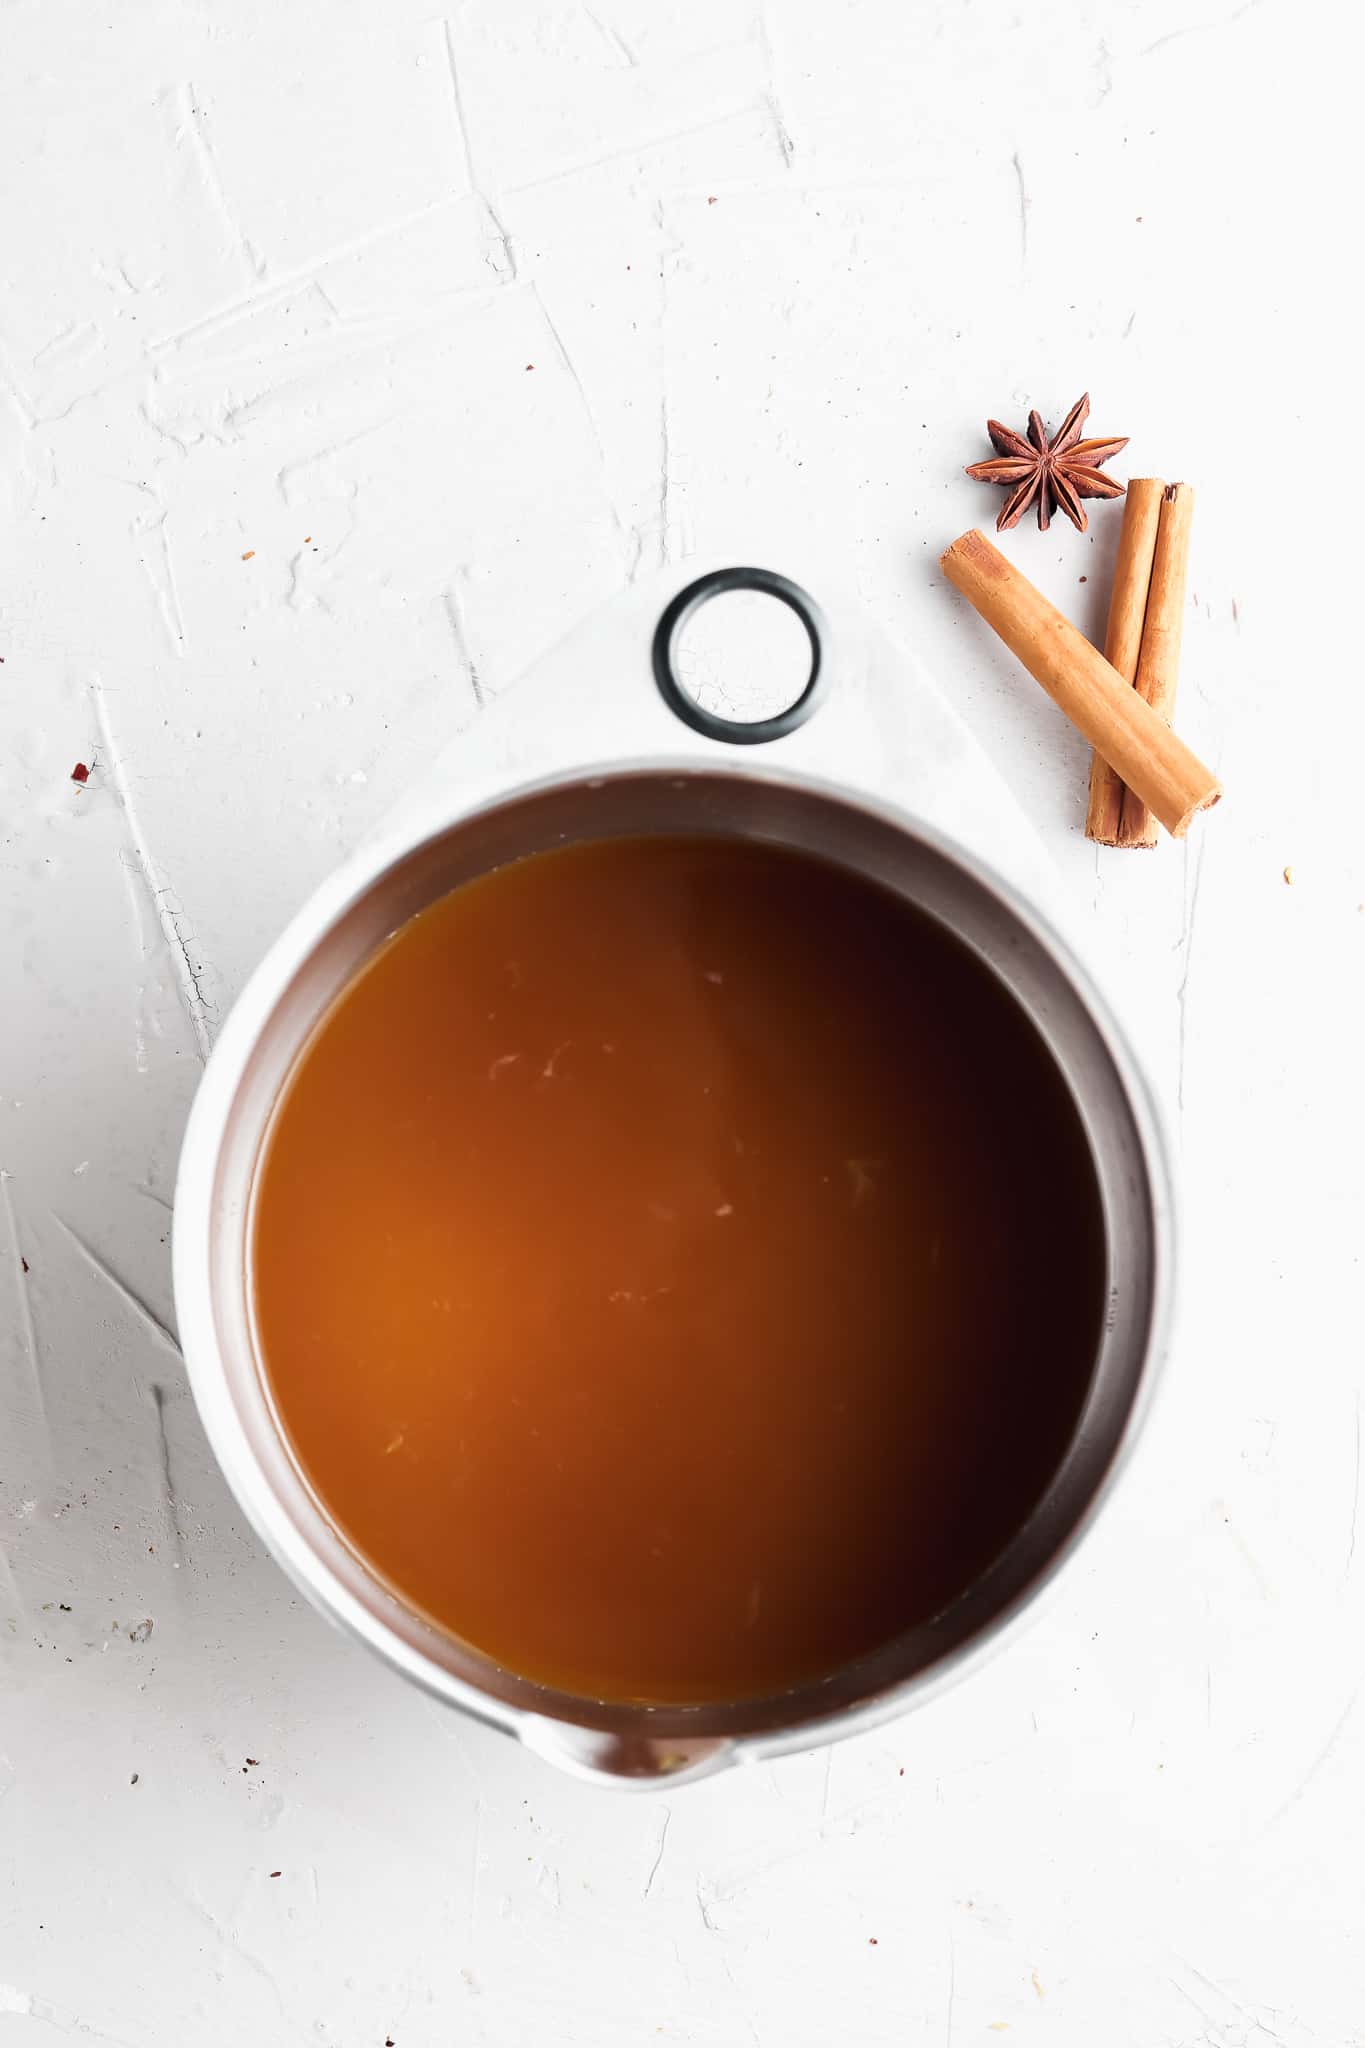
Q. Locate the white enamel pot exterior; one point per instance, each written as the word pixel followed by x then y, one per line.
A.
pixel 588 748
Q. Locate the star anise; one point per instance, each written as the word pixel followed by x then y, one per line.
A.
pixel 1058 473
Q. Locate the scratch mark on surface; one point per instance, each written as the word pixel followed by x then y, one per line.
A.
pixel 22 2004
pixel 658 1853
pixel 231 1946
pixel 158 566
pixel 665 486
pixel 142 1187
pixel 704 1906
pixel 117 278
pixel 454 610
pixel 10 383
pixel 105 1271
pixel 571 371
pixel 190 977
pixel 189 127
pixel 93 391
pixel 1130 324
pixel 1199 28
pixel 26 1323
pixel 167 1482
pixel 634 552
pixel 1322 1757
pixel 771 93
pixel 72 341
pixel 1187 939
pixel 1225 1997
pixel 1189 1997
pixel 1105 68
pixel 503 261
pixel 1243 1549
pixel 298 597
pixel 1017 162
pixel 149 414
pixel 629 150
pixel 314 460
pixel 286 283
pixel 667 252
pixel 824 1789
pixel 613 38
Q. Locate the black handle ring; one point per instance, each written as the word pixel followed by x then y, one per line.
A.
pixel 737 731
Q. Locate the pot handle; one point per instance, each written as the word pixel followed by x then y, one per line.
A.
pixel 639 1763
pixel 739 732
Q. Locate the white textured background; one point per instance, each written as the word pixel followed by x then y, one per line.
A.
pixel 457 324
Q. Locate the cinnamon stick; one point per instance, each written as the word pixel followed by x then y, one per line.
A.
pixel 1159 661
pixel 1123 639
pixel 1115 719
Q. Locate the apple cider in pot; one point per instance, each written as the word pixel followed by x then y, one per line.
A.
pixel 677 1265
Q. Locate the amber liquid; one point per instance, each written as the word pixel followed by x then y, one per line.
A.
pixel 678 1268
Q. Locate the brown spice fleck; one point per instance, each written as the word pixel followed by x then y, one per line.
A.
pixel 1289 876
pixel 277 1873
pixel 248 555
pixel 133 1780
pixel 80 773
pixel 253 1760
pixel 24 1263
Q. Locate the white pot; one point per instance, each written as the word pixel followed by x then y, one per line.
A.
pixel 882 779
